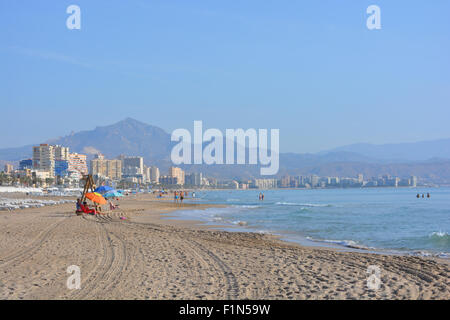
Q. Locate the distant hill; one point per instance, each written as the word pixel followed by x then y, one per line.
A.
pixel 129 137
pixel 135 138
pixel 415 151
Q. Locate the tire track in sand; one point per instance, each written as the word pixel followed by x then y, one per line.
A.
pixel 114 261
pixel 232 283
pixel 22 255
pixel 205 257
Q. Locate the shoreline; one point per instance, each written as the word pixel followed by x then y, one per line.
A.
pixel 147 256
pixel 293 238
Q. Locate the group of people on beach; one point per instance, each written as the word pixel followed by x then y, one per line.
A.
pixel 178 196
pixel 83 207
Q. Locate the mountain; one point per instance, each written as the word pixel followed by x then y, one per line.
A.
pixel 414 151
pixel 134 138
pixel 129 137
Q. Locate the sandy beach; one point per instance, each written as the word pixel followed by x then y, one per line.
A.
pixel 146 257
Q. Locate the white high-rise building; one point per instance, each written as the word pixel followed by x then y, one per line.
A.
pixel 44 158
pixel 413 181
pixel 178 173
pixel 154 174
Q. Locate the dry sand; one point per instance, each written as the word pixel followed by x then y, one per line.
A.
pixel 144 257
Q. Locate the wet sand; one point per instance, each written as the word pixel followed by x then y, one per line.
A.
pixel 146 257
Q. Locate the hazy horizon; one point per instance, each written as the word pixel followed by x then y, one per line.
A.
pixel 324 150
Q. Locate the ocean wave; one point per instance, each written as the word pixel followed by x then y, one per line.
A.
pixel 440 238
pixel 345 243
pixel 439 234
pixel 249 206
pixel 302 204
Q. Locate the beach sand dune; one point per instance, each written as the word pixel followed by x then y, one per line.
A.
pixel 144 257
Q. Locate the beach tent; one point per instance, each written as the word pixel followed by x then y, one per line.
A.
pixel 103 189
pixel 112 194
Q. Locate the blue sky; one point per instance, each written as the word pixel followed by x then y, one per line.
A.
pixel 310 68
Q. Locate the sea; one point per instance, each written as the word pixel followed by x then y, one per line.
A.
pixel 383 220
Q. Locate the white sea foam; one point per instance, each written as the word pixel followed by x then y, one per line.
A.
pixel 248 206
pixel 344 243
pixel 422 253
pixel 240 223
pixel 302 204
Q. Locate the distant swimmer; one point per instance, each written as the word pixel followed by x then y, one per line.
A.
pixel 428 195
pixel 423 195
pixel 418 196
pixel 262 196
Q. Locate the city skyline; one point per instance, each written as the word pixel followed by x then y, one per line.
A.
pixel 56 165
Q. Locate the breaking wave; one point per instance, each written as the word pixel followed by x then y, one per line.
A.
pixel 302 204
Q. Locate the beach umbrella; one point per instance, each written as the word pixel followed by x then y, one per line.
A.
pixel 112 194
pixel 103 189
pixel 96 197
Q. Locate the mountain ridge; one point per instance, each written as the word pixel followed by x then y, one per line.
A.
pixel 411 151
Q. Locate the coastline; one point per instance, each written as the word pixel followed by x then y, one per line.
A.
pixel 237 225
pixel 147 256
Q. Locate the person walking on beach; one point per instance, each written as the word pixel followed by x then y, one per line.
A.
pixel 181 196
pixel 175 196
pixel 262 196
